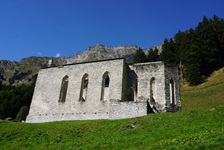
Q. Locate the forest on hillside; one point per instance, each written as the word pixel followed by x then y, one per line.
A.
pixel 198 51
pixel 15 101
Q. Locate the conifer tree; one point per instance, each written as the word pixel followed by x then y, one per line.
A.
pixel 139 56
pixel 169 52
pixel 0 85
pixel 153 55
pixel 200 51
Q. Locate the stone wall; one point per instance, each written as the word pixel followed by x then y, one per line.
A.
pixel 129 109
pixel 145 73
pixel 132 77
pixel 162 75
pixel 134 90
pixel 45 105
pixel 172 73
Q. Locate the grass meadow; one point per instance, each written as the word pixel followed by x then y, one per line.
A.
pixel 200 125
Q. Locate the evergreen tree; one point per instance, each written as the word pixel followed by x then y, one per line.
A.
pixel 139 56
pixel 12 99
pixel 153 55
pixel 199 51
pixel 179 39
pixel 0 85
pixel 23 112
pixel 169 52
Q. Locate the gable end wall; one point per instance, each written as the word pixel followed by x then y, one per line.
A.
pixel 45 106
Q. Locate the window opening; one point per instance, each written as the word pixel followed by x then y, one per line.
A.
pixel 105 86
pixel 135 89
pixel 84 88
pixel 63 91
pixel 172 97
pixel 152 90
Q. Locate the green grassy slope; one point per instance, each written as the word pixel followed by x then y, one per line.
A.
pixel 199 126
pixel 206 95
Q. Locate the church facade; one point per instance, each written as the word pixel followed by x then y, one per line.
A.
pixel 105 89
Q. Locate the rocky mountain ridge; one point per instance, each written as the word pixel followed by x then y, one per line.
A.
pixel 99 52
pixel 25 71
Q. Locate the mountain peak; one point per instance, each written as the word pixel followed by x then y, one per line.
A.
pixel 100 45
pixel 99 51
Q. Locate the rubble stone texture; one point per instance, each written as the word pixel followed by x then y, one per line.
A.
pixel 81 92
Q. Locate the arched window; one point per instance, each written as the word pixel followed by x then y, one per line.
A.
pixel 105 86
pixel 172 97
pixel 152 90
pixel 64 87
pixel 84 88
pixel 135 89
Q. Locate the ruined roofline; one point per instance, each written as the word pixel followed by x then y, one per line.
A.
pixel 147 63
pixel 155 62
pixel 102 60
pixel 104 89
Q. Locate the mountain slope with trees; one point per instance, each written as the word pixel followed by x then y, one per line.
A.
pixel 199 51
pixel 15 101
pixel 25 71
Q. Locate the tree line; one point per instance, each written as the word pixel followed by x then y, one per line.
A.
pixel 15 101
pixel 198 51
pixel 140 56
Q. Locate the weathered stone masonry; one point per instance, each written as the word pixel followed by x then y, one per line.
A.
pixel 106 89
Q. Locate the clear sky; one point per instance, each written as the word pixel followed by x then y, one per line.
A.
pixel 65 27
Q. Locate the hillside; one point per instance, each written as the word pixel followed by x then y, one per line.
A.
pixel 198 126
pixel 206 95
pixel 24 71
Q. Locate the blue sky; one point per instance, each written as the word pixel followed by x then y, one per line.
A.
pixel 65 27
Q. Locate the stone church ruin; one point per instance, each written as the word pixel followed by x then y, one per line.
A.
pixel 105 89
